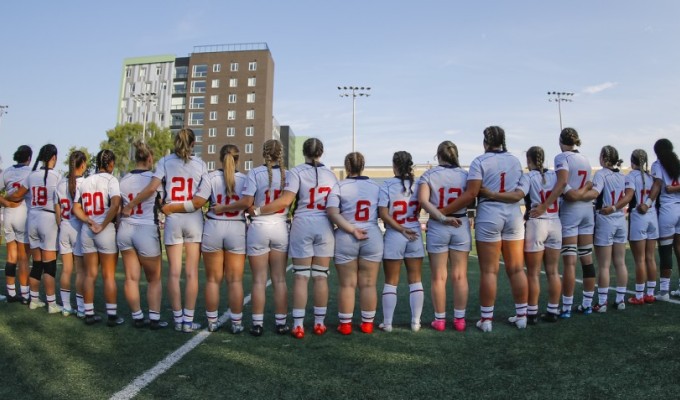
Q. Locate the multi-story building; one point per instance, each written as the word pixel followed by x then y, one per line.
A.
pixel 224 93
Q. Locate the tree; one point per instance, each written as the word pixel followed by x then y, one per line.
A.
pixel 91 162
pixel 120 141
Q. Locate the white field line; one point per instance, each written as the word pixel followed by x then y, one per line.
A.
pixel 150 375
pixel 611 289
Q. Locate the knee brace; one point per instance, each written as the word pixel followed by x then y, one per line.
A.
pixel 50 268
pixel 10 270
pixel 666 254
pixel 588 271
pixel 568 250
pixel 37 270
pixel 302 270
pixel 585 250
pixel 318 270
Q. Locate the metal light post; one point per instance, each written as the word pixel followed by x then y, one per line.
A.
pixel 560 97
pixel 354 92
pixel 144 99
pixel 3 111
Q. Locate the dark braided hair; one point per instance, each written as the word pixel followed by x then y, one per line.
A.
pixel 610 156
pixel 447 152
pixel 313 148
pixel 229 156
pixel 537 157
pixel 23 154
pixel 494 136
pixel 639 158
pixel 403 164
pixel 569 137
pixel 44 155
pixel 272 152
pixel 103 159
pixel 354 163
pixel 668 159
pixel 75 160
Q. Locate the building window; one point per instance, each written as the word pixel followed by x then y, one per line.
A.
pixel 250 98
pixel 142 72
pixel 233 82
pixel 211 164
pixel 211 149
pixel 213 115
pixel 252 66
pixel 129 118
pixel 147 87
pixel 250 114
pixel 181 72
pixel 197 102
pixel 164 85
pixel 233 67
pixel 231 131
pixel 178 103
pixel 199 138
pixel 212 132
pixel 232 98
pixel 198 87
pixel 198 150
pixel 231 115
pixel 248 165
pixel 200 70
pixel 196 118
pixel 132 88
pixel 179 87
pixel 158 70
pixel 128 72
pixel 251 82
pixel 250 131
pixel 214 98
pixel 249 148
pixel 215 83
pixel 217 67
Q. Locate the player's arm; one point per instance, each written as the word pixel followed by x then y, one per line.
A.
pixel 467 197
pixel 504 197
pixel 337 218
pixel 623 201
pixel 424 200
pixel 653 194
pixel 672 189
pixel 557 190
pixel 147 192
pixel 18 195
pixel 241 204
pixel 79 213
pixel 285 200
pixel 111 213
pixel 57 212
pixel 184 207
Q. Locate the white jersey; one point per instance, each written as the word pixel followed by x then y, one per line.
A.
pixel 312 186
pixel 131 185
pixel 357 199
pixel 214 189
pixel 611 186
pixel 446 184
pixel 537 191
pixel 180 179
pixel 12 178
pixel 402 204
pixel 658 172
pixel 41 190
pixel 499 172
pixel 257 186
pixel 62 197
pixel 577 166
pixel 95 194
pixel 641 191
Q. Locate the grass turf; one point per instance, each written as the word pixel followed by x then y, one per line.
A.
pixel 618 354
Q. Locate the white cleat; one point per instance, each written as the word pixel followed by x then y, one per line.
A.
pixel 53 309
pixel 485 325
pixel 385 328
pixel 519 322
pixel 415 326
pixel 35 304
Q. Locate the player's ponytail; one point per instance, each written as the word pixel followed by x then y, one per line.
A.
pixel 272 152
pixel 142 151
pixel 45 155
pixel 75 160
pixel 610 157
pixel 229 156
pixel 569 137
pixel 447 152
pixel 494 136
pixel 667 158
pixel 403 166
pixel 184 143
pixel 354 163
pixel 23 154
pixel 537 157
pixel 312 148
pixel 639 158
pixel 104 159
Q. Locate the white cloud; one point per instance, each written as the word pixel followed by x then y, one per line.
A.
pixel 600 88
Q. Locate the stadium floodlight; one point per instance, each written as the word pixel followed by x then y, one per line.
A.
pixel 354 92
pixel 559 98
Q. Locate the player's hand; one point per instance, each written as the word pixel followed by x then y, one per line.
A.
pixel 360 234
pixel 166 209
pixel 607 210
pixel 218 209
pixel 96 228
pixel 126 211
pixel 454 222
pixel 537 211
pixel 409 234
pixel 484 192
pixel 643 208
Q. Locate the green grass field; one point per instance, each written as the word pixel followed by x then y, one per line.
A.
pixel 621 354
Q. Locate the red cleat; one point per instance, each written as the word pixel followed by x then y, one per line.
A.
pixel 319 329
pixel 298 332
pixel 636 301
pixel 649 298
pixel 367 327
pixel 345 328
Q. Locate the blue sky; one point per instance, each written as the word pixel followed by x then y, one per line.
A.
pixel 438 69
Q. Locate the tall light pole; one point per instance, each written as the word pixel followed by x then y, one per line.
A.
pixel 3 111
pixel 560 97
pixel 144 99
pixel 354 92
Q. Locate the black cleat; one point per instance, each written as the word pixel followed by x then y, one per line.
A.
pixel 532 319
pixel 114 320
pixel 256 330
pixel 282 329
pixel 549 317
pixel 14 299
pixel 155 325
pixel 140 323
pixel 92 319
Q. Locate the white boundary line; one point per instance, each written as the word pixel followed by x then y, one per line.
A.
pixel 611 289
pixel 150 375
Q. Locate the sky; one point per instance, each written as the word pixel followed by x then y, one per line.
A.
pixel 438 70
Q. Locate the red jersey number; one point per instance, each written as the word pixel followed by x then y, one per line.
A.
pixel 447 196
pixel 553 207
pixel 363 211
pixel 38 196
pixel 93 203
pixel 270 196
pixel 182 189
pixel 227 200
pixel 138 210
pixel 65 206
pixel 323 192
